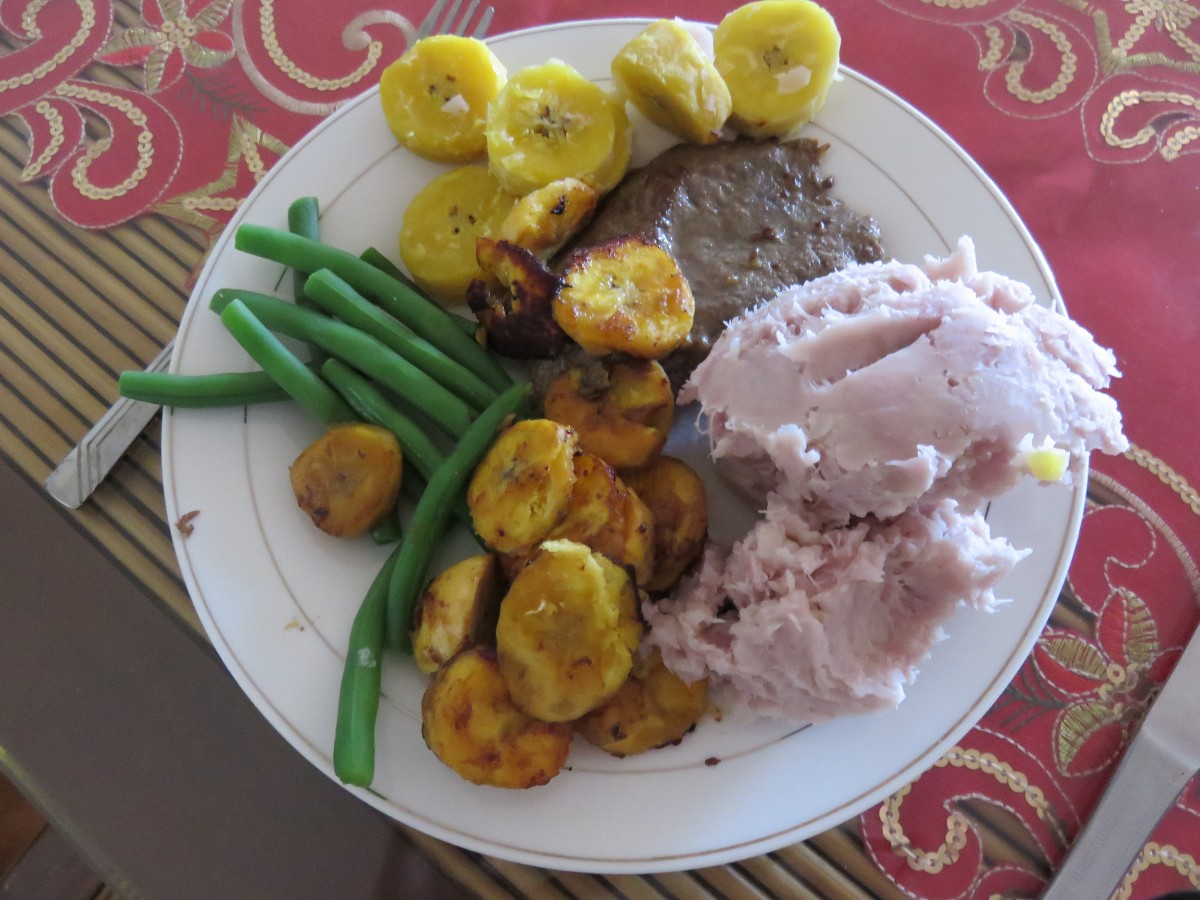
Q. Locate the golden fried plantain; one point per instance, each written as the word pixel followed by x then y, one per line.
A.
pixel 627 422
pixel 522 488
pixel 468 719
pixel 545 219
pixel 676 497
pixel 569 626
pixel 515 302
pixel 653 708
pixel 625 295
pixel 605 516
pixel 458 610
pixel 348 479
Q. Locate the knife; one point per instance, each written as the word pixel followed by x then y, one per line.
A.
pixel 1160 761
pixel 81 472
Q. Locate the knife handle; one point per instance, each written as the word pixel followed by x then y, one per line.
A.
pixel 1147 781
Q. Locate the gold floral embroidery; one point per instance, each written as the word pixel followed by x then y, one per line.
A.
pixel 266 21
pixel 29 16
pixel 1155 854
pixel 87 22
pixel 145 143
pixel 246 142
pixel 930 861
pixel 1068 63
pixel 933 861
pixel 1166 475
pixel 179 33
pixel 54 122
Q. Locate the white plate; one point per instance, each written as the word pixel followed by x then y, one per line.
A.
pixel 277 597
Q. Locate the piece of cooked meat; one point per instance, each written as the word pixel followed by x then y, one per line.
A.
pixel 867 390
pixel 742 219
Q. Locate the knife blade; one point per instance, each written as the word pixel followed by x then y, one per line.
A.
pixel 1161 759
pixel 81 472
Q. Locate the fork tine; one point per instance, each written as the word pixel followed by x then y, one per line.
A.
pixel 440 20
pixel 451 15
pixel 462 23
pixel 427 25
pixel 484 21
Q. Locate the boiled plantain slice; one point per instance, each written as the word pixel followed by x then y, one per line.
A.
pixel 778 58
pixel 549 122
pixel 443 222
pixel 666 74
pixel 435 97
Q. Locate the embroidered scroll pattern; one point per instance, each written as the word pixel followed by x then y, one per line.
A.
pixel 1056 734
pixel 1128 67
pixel 247 90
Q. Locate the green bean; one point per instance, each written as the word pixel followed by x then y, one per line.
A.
pixel 370 403
pixel 389 531
pixel 333 295
pixel 358 700
pixel 434 509
pixel 300 382
pixel 200 391
pixel 385 265
pixel 366 400
pixel 304 219
pixel 364 352
pixel 426 318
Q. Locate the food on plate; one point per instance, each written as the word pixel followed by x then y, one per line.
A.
pixel 609 175
pixel 546 218
pixel 876 387
pixel 435 96
pixel 547 123
pixel 522 487
pixel 672 81
pixel 742 219
pixel 678 501
pixel 514 302
pixel 469 720
pixel 621 411
pixel 606 516
pixel 568 630
pixel 805 624
pixel 458 610
pixel 874 412
pixel 348 479
pixel 653 708
pixel 441 224
pixel 778 59
pixel 624 295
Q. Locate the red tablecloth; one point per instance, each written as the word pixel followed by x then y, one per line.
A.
pixel 1086 114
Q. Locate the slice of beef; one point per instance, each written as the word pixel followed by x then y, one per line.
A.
pixel 743 219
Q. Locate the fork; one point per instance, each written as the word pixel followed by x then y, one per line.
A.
pixel 429 25
pixel 82 470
